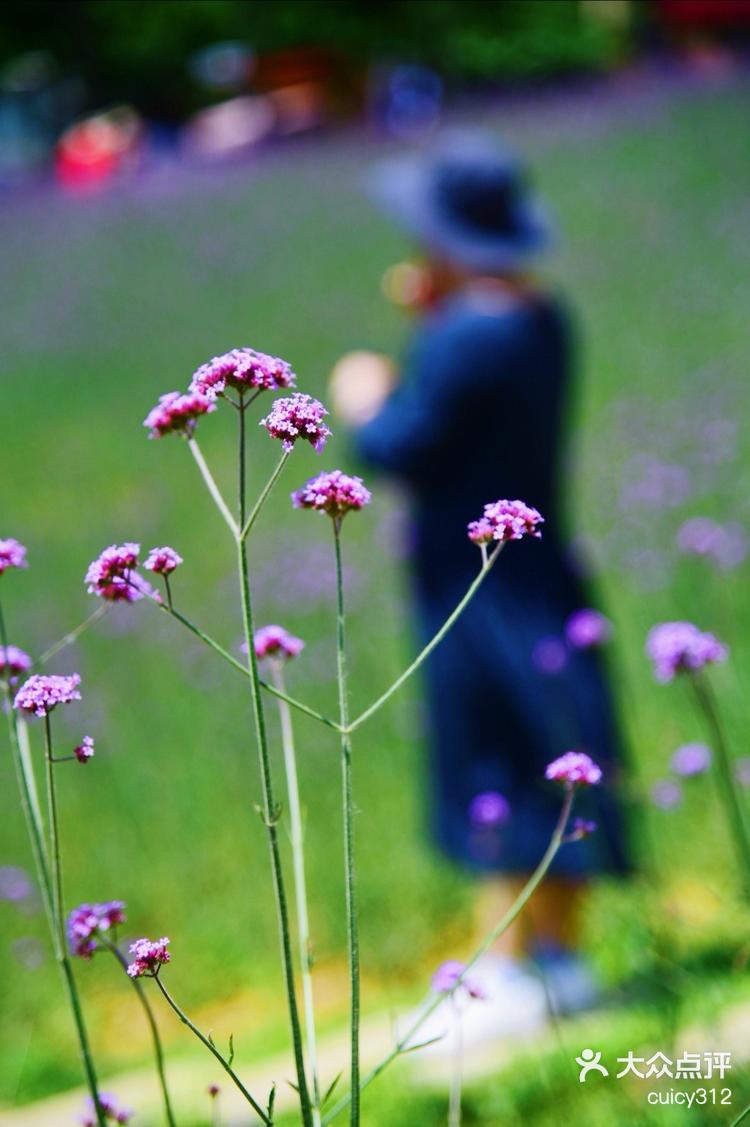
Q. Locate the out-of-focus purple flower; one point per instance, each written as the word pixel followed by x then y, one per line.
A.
pixel 505 520
pixel 112 574
pixel 15 884
pixel 654 484
pixel 676 647
pixel 587 628
pixel 148 956
pixel 549 656
pixel 275 641
pixel 12 554
pixel 112 1111
pixel 742 770
pixel 691 759
pixel 298 416
pixel 85 750
pixel 177 414
pixel 162 561
pixel 333 492
pixel 581 828
pixel 43 692
pixel 489 810
pixel 725 545
pixel 213 1090
pixel 85 921
pixel 13 662
pixel 446 979
pixel 574 768
pixel 242 369
pixel 666 794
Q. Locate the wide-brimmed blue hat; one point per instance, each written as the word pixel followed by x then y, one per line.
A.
pixel 468 200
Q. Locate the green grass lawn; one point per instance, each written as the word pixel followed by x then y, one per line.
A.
pixel 110 302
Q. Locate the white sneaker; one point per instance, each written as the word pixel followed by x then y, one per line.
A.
pixel 514 1004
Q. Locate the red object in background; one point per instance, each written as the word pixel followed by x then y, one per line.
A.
pixel 92 152
pixel 684 15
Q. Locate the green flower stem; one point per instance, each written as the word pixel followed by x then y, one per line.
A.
pixel 270 811
pixel 212 1049
pixel 212 487
pixel 72 636
pixel 725 780
pixel 58 927
pixel 404 1044
pixel 352 925
pixel 741 1117
pixel 454 1105
pixel 263 497
pixel 300 887
pixel 142 998
pixel 243 669
pixel 487 562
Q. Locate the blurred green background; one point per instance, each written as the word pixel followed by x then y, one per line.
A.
pixel 111 300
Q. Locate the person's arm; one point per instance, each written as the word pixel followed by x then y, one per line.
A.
pixel 440 399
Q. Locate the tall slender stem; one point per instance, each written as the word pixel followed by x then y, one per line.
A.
pixel 212 487
pixel 212 1049
pixel 352 925
pixel 405 1042
pixel 727 786
pixel 487 562
pixel 270 812
pixel 156 1039
pixel 454 1103
pixel 248 524
pixel 296 835
pixel 58 927
pixel 72 635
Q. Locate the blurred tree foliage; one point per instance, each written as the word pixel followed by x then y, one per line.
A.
pixel 136 50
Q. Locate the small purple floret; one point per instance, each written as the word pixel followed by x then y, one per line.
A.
pixel 177 414
pixel 148 956
pixel 162 561
pixel 85 921
pixel 298 416
pixel 12 554
pixel 13 662
pixel 446 979
pixel 574 768
pixel 587 628
pixel 679 647
pixel 489 810
pixel 242 369
pixel 275 641
pixel 43 692
pixel 691 759
pixel 505 520
pixel 334 493
pixel 85 750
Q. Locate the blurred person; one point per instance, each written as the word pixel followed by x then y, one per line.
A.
pixel 479 413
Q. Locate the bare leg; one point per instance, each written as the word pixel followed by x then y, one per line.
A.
pixel 551 916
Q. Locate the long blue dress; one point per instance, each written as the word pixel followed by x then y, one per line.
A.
pixel 480 415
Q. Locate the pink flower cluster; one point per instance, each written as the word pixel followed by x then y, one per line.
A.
pixel 242 369
pixel 177 414
pixel 505 520
pixel 298 416
pixel 446 979
pixel 162 561
pixel 13 662
pixel 43 692
pixel 275 641
pixel 587 628
pixel 12 554
pixel 677 647
pixel 335 493
pixel 109 1106
pixel 85 750
pixel 574 768
pixel 87 919
pixel 149 956
pixel 110 575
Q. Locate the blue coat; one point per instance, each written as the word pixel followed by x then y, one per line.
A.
pixel 480 415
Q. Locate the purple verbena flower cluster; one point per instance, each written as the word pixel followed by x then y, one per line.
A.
pixel 43 692
pixel 489 810
pixel 84 750
pixel 110 575
pixel 275 641
pixel 13 662
pixel 298 416
pixel 574 768
pixel 148 956
pixel 87 919
pixel 162 561
pixel 242 369
pixel 505 520
pixel 177 414
pixel 12 554
pixel 109 1106
pixel 334 493
pixel 446 979
pixel 677 647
